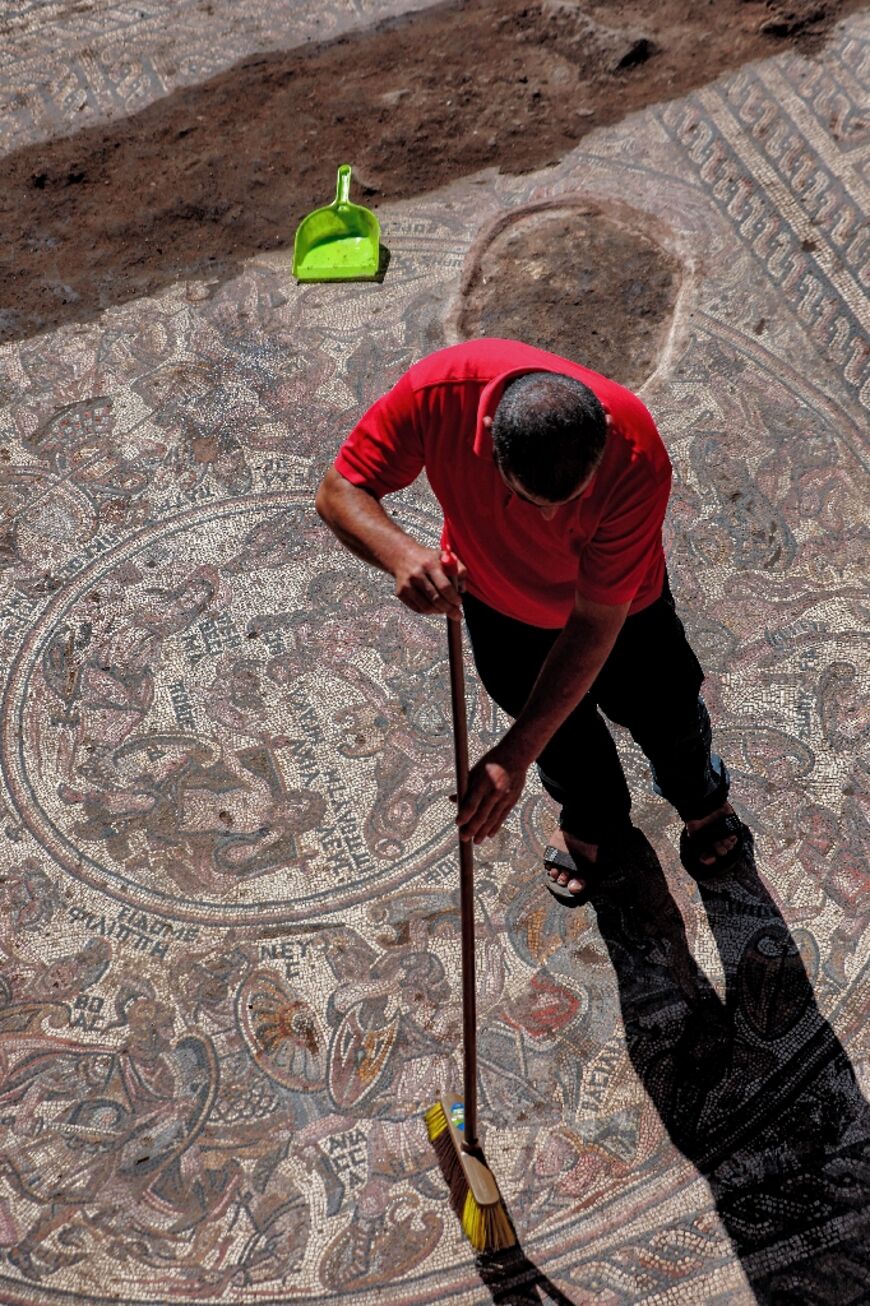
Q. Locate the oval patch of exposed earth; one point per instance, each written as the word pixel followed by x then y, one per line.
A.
pixel 575 281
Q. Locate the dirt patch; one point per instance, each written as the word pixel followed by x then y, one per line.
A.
pixel 215 173
pixel 577 283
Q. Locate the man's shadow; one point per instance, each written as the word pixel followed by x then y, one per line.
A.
pixel 756 1091
pixel 514 1280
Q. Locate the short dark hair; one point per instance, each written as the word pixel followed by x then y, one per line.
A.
pixel 548 433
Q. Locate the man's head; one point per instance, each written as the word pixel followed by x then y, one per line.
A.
pixel 548 435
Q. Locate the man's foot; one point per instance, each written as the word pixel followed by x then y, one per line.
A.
pixel 719 847
pixel 566 870
pixel 713 843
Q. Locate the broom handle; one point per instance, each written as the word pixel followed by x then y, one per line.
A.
pixel 466 888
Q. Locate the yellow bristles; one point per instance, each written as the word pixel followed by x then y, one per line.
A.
pixel 436 1121
pixel 487 1228
pixel 472 1190
pixel 473 1223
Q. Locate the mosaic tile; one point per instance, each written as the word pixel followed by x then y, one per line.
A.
pixel 230 913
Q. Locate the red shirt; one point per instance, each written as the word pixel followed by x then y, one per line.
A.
pixel 607 544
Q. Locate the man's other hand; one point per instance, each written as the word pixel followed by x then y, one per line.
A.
pixel 423 583
pixel 494 785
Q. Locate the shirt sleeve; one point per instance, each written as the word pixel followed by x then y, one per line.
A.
pixel 384 451
pixel 628 541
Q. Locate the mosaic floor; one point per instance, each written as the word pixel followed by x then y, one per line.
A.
pixel 229 907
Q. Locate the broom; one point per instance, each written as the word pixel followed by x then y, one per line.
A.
pixel 452 1121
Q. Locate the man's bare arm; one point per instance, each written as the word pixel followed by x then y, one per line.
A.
pixel 496 781
pixel 567 674
pixel 357 519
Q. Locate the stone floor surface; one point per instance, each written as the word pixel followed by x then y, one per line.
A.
pixel 229 886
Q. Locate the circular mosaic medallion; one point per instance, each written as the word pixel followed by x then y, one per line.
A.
pixel 216 721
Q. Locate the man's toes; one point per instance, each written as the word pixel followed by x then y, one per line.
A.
pixel 722 847
pixel 576 886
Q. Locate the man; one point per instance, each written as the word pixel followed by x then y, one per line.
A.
pixel 553 481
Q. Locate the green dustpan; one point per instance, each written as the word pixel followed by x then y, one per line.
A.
pixel 338 242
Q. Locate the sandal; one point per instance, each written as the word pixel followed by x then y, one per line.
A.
pixel 702 844
pixel 565 862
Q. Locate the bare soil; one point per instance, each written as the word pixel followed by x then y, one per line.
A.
pixel 213 174
pixel 577 283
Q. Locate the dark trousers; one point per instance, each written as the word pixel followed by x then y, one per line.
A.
pixel 649 684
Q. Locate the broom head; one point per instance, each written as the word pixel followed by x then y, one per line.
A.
pixel 474 1193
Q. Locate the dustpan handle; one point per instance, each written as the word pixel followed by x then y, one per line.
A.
pixel 466 888
pixel 342 184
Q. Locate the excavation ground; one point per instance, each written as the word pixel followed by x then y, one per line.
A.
pixel 211 175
